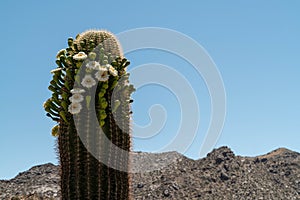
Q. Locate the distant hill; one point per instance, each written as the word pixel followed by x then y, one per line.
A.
pixel 220 175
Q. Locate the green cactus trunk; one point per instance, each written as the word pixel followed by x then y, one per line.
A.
pixel 85 108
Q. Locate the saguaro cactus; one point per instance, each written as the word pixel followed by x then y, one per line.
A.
pixel 91 96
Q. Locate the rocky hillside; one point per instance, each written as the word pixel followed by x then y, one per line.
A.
pixel 220 175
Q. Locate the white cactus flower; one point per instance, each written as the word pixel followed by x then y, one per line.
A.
pixel 80 56
pixel 112 70
pixel 93 65
pixel 88 81
pixel 102 75
pixel 102 68
pixel 77 91
pixel 76 98
pixel 74 108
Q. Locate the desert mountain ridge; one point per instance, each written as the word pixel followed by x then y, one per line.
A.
pixel 219 175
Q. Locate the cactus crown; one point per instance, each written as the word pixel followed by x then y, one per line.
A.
pixel 107 39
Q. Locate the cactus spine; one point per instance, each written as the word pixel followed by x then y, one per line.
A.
pixel 91 79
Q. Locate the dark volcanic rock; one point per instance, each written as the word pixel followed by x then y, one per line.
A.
pixel 221 175
pixel 39 182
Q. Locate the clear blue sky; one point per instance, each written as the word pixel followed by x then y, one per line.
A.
pixel 255 45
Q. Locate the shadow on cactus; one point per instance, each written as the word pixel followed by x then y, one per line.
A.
pixel 91 103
